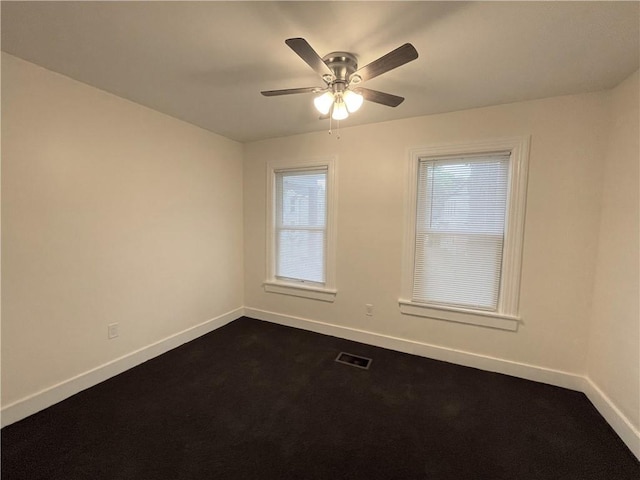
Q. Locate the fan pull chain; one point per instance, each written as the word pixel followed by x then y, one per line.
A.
pixel 330 125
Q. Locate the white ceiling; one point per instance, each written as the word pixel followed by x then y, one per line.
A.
pixel 206 62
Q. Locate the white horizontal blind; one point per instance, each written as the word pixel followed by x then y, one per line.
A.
pixel 461 208
pixel 300 224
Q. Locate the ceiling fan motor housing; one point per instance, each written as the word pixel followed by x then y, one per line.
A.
pixel 343 65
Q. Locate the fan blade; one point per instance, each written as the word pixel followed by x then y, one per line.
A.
pixel 401 55
pixel 309 55
pixel 290 91
pixel 379 97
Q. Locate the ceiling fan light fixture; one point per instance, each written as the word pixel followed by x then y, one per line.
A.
pixel 353 100
pixel 339 110
pixel 323 102
pixel 339 70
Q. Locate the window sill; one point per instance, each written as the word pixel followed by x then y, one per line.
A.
pixel 314 293
pixel 460 315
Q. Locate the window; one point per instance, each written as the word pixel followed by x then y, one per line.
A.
pixel 465 231
pixel 459 231
pixel 300 224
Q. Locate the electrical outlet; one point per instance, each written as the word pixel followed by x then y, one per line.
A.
pixel 368 308
pixel 112 330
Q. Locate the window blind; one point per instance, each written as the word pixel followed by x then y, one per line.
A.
pixel 300 224
pixel 460 230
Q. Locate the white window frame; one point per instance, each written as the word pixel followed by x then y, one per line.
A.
pixel 317 291
pixel 506 316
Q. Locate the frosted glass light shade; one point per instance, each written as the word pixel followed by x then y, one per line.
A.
pixel 339 111
pixel 323 102
pixel 353 100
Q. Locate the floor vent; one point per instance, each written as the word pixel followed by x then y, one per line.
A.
pixel 354 360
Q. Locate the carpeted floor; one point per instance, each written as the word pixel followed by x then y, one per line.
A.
pixel 254 400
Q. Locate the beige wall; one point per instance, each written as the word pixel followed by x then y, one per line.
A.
pixel 111 212
pixel 568 140
pixel 614 348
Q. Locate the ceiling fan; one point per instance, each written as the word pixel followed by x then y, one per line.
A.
pixel 342 93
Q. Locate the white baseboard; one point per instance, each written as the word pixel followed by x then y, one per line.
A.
pixel 56 393
pixel 459 357
pixel 612 414
pixel 571 381
pixel 49 396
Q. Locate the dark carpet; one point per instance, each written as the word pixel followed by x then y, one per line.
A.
pixel 254 400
